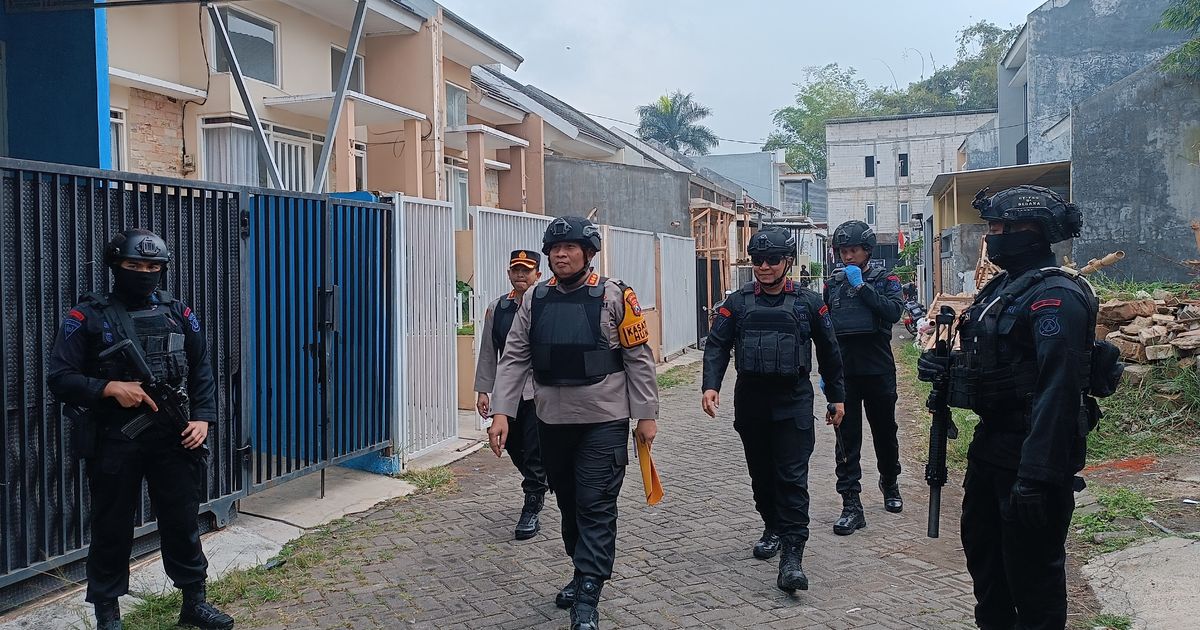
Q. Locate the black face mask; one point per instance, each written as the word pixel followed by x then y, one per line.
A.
pixel 1016 249
pixel 134 287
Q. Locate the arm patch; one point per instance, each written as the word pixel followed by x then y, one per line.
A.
pixel 1040 304
pixel 633 330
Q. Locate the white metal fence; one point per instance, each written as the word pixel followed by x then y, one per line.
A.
pixel 629 256
pixel 677 304
pixel 426 372
pixel 497 234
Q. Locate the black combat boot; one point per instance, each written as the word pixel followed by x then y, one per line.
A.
pixel 199 613
pixel 891 495
pixel 584 615
pixel 108 615
pixel 528 526
pixel 566 597
pixel 852 518
pixel 767 546
pixel 791 575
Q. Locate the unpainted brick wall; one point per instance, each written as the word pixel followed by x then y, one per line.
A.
pixel 154 127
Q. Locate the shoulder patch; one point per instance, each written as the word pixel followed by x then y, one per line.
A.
pixel 69 327
pixel 826 321
pixel 1040 304
pixel 724 312
pixel 1049 326
pixel 593 280
pixel 190 315
pixel 633 330
pixel 76 315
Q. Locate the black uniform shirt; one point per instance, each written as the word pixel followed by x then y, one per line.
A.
pixel 723 335
pixel 1052 329
pixel 871 353
pixel 84 334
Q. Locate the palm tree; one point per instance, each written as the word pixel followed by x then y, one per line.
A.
pixel 674 121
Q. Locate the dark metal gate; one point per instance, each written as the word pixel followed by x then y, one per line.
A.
pixel 321 328
pixel 55 221
pixel 302 282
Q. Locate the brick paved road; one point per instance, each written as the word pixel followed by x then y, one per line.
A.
pixel 449 562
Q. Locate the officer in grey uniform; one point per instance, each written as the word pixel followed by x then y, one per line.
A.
pixel 522 444
pixel 864 303
pixel 771 325
pixel 583 338
pixel 1030 367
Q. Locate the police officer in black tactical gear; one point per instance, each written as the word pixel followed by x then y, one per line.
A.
pixel 1029 366
pixel 103 395
pixel 522 445
pixel 584 340
pixel 864 303
pixel 771 325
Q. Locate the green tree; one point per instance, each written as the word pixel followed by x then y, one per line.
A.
pixel 674 120
pixel 827 92
pixel 1183 15
pixel 833 92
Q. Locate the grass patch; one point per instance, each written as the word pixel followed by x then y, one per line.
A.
pixel 438 479
pixel 1110 287
pixel 1108 622
pixel 679 375
pixel 292 573
pixel 965 420
pixel 1123 504
pixel 1157 417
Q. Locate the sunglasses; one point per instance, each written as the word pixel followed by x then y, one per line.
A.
pixel 773 259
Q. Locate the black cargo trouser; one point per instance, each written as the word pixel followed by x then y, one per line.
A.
pixel 1019 574
pixel 174 476
pixel 777 454
pixel 877 393
pixel 585 465
pixel 524 448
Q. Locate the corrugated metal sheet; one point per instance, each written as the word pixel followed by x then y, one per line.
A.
pixel 629 256
pixel 677 262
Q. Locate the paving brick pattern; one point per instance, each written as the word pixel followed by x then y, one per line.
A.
pixel 449 561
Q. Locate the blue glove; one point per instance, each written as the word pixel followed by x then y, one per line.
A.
pixel 854 275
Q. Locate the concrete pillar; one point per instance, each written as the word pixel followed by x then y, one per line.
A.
pixel 531 130
pixel 343 151
pixel 412 181
pixel 513 181
pixel 475 171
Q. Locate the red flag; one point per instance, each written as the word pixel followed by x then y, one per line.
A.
pixel 901 239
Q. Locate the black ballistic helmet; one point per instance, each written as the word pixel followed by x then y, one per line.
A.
pixel 853 233
pixel 136 245
pixel 771 240
pixel 571 230
pixel 1059 220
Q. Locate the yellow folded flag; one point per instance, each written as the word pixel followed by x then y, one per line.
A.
pixel 654 490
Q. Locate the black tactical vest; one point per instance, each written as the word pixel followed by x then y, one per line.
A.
pixel 994 374
pixel 502 320
pixel 568 346
pixel 773 341
pixel 159 331
pixel 850 314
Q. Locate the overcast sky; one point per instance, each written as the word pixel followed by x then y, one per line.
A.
pixel 740 58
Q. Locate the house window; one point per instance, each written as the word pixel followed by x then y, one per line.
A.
pixel 903 214
pixel 254 42
pixel 360 166
pixel 230 154
pixel 116 136
pixel 870 214
pixel 869 165
pixel 903 162
pixel 457 195
pixel 337 57
pixel 456 106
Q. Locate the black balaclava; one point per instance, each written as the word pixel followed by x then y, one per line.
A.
pixel 1017 250
pixel 134 287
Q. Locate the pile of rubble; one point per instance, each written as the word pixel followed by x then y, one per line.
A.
pixel 1152 328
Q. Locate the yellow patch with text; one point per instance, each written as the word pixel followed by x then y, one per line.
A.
pixel 633 330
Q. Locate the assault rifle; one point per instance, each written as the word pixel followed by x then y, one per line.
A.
pixel 172 402
pixel 942 427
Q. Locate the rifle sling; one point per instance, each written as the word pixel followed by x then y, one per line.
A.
pixel 116 310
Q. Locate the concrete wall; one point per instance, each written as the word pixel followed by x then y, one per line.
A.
pixel 757 172
pixel 57 86
pixel 982 148
pixel 958 269
pixel 931 143
pixel 1136 174
pixel 625 196
pixel 1076 49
